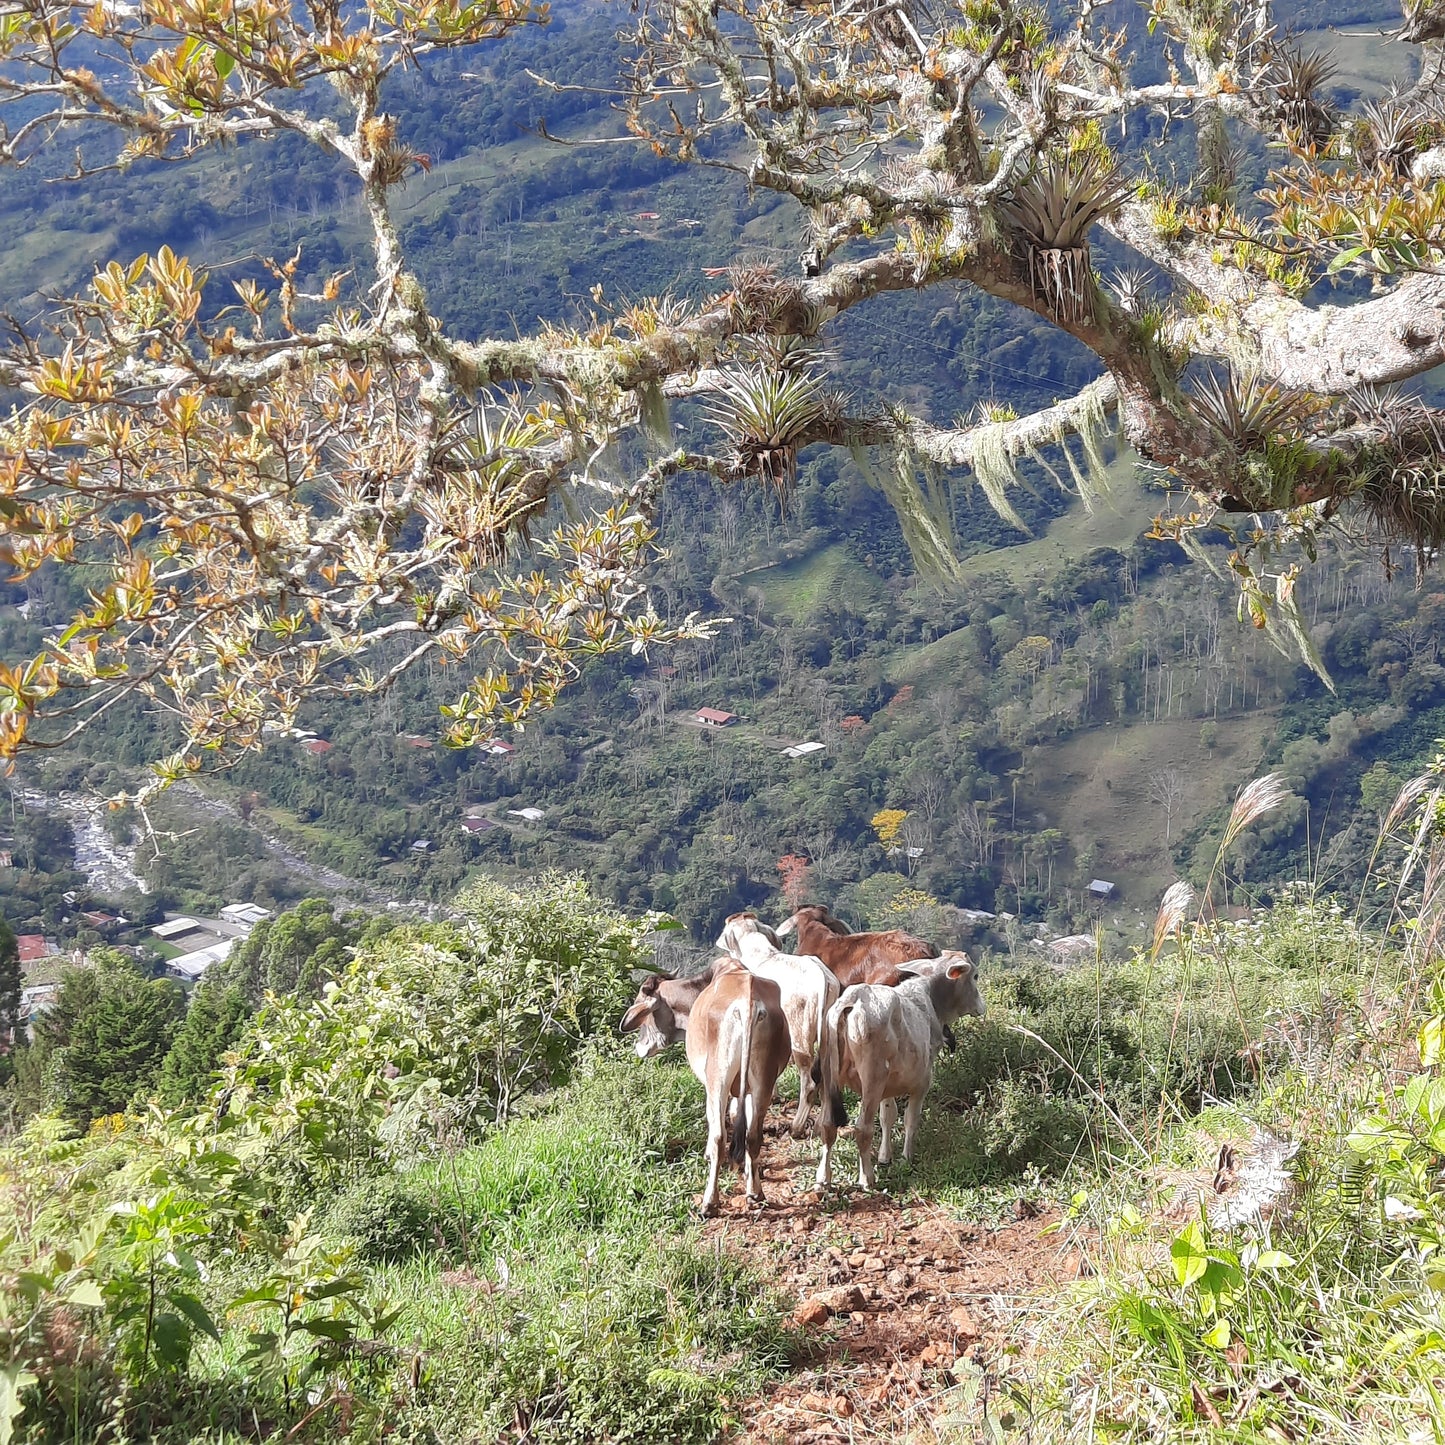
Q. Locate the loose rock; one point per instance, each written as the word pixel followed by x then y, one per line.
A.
pixel 843 1300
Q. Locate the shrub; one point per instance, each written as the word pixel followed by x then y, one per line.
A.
pixel 433 1034
pixel 390 1218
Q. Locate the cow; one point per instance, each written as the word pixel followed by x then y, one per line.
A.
pixel 737 1044
pixel 886 1040
pixel 855 957
pixel 809 990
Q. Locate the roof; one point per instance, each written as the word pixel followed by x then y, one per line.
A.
pixel 317 746
pixel 422 845
pixel 33 946
pixel 532 815
pixel 98 920
pixel 477 825
pixel 801 750
pixel 193 965
pixel 413 741
pixel 177 927
pixel 497 746
pixel 1101 885
pixel 245 913
pixel 716 715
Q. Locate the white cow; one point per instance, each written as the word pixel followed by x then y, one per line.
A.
pixel 886 1040
pixel 808 991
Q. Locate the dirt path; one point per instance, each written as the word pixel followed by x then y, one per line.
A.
pixel 902 1299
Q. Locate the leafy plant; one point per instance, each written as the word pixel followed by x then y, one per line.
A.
pixel 767 413
pixel 1248 410
pixel 313 1309
pixel 1053 211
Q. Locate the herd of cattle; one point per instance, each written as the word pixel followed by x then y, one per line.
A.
pixel 861 1011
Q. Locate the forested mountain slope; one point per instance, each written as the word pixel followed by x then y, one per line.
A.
pixel 1081 705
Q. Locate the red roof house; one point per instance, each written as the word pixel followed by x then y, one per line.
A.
pixel 33 947
pixel 317 747
pixel 715 718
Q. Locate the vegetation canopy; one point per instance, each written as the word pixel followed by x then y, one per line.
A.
pixel 309 486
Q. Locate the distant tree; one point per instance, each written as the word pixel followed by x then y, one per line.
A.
pixel 886 822
pixel 105 1036
pixel 214 1022
pixel 1168 788
pixel 297 951
pixel 795 878
pixel 11 980
pixel 1378 789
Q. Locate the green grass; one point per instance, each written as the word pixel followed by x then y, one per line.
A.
pixel 796 590
pixel 554 1274
pixel 1119 516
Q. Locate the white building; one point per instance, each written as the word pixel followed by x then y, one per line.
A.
pixel 193 965
pixel 247 913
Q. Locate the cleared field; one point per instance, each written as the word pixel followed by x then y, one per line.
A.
pixel 1095 787
pixel 1123 512
pixel 797 589
pixel 933 661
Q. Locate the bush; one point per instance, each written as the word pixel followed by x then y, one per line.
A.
pixel 434 1034
pixel 1153 1038
pixel 390 1219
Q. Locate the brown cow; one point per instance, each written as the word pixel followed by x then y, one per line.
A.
pixel 737 1044
pixel 855 957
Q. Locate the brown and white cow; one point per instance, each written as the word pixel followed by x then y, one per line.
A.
pixel 808 991
pixel 737 1044
pixel 855 957
pixel 887 1040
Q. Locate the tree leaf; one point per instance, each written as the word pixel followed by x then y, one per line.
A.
pixel 15 1379
pixel 86 1294
pixel 196 1313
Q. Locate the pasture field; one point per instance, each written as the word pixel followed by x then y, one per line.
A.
pixel 1099 780
pixel 1121 513
pixel 797 589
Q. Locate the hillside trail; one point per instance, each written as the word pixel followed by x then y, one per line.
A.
pixel 903 1302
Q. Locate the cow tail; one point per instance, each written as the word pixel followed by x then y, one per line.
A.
pixel 836 1107
pixel 738 1145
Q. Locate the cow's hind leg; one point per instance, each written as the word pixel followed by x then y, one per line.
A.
pixel 911 1116
pixel 887 1118
pixel 754 1175
pixel 716 1123
pixel 828 1132
pixel 863 1133
pixel 805 1092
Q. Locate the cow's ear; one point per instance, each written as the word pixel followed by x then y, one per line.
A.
pixel 634 1016
pixel 957 971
